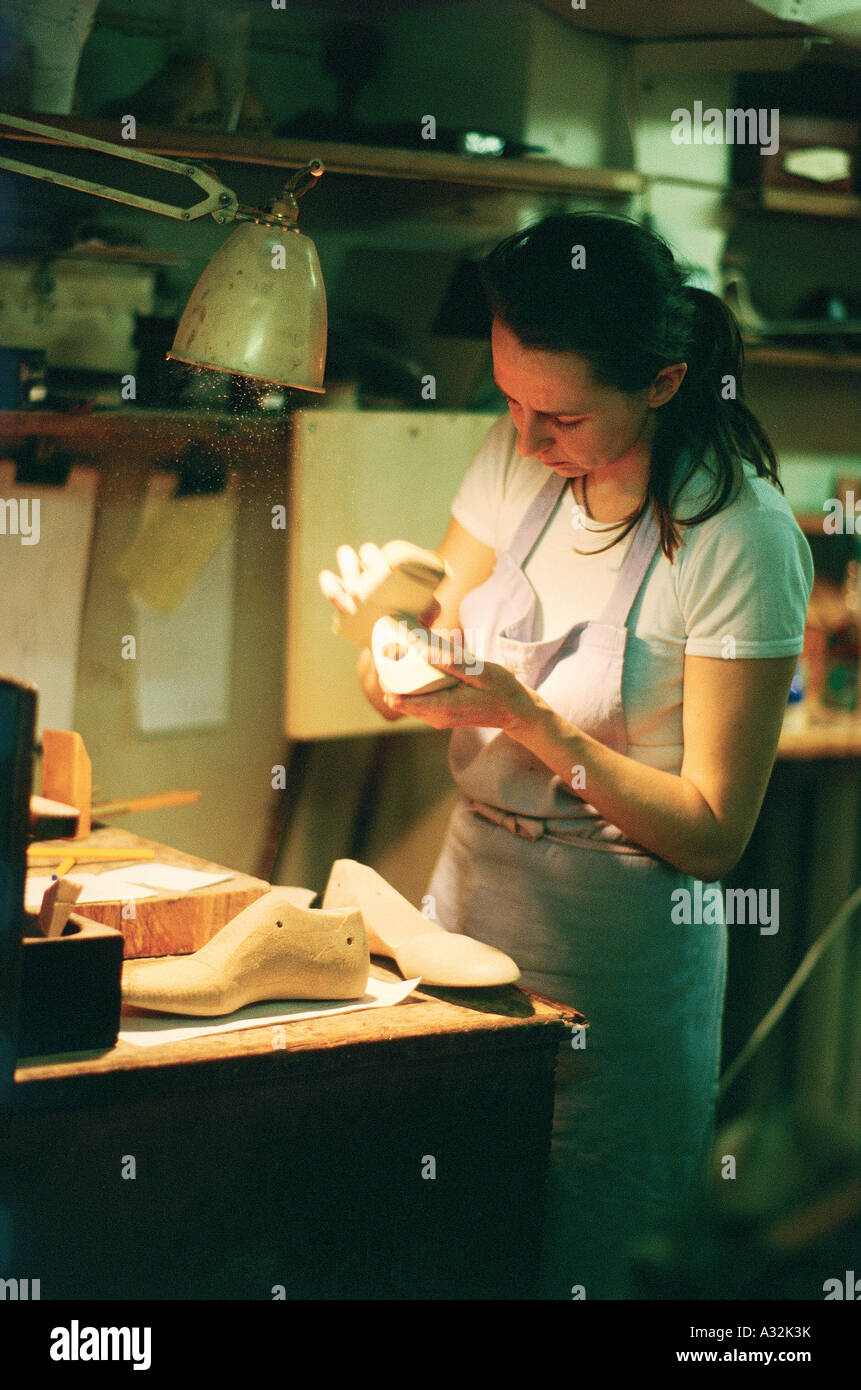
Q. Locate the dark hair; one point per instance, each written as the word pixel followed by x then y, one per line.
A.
pixel 629 313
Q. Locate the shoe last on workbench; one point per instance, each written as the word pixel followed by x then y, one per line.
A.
pixel 274 949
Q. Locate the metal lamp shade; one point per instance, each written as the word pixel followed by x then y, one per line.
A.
pixel 259 310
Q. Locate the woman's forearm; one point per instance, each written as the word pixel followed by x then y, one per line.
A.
pixel 664 813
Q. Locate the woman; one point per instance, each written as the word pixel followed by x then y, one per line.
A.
pixel 625 564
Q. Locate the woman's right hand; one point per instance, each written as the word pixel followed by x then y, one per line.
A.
pixel 370 683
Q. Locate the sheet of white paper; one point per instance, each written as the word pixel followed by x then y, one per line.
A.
pixel 43 574
pixel 167 876
pixel 182 663
pixel 116 890
pixel 153 1030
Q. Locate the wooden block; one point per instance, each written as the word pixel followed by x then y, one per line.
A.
pixel 67 774
pixel 171 923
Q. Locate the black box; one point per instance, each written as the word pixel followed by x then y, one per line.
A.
pixel 70 989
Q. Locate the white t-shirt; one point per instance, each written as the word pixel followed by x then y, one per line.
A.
pixel 739 585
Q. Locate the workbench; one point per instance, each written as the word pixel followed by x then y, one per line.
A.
pixel 395 1153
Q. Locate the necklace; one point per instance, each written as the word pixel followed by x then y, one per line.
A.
pixel 584 505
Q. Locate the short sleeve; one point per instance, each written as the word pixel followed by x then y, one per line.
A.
pixel 478 502
pixel 746 574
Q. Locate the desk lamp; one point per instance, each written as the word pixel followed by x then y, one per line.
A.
pixel 259 308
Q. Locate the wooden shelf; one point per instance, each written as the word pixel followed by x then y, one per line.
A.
pixel 127 445
pixel 838 738
pixel 525 175
pixel 797 202
pixel 811 523
pixel 87 426
pixel 760 355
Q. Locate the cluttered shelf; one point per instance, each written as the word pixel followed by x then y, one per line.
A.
pixel 44 445
pixel 797 202
pixel 141 424
pixel 760 355
pixel 836 738
pixel 524 174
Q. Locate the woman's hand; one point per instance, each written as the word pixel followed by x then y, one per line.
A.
pixel 370 683
pixel 494 698
pixel 340 590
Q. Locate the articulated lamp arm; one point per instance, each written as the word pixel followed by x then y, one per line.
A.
pixel 221 203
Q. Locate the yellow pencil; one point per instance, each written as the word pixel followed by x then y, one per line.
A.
pixel 39 852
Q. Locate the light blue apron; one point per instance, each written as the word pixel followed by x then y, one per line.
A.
pixel 528 866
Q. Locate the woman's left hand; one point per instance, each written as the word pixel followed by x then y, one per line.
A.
pixel 494 698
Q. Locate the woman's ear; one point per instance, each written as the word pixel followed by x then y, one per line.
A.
pixel 667 383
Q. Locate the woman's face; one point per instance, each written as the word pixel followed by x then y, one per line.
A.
pixel 562 416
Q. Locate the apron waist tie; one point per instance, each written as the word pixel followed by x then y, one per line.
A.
pixel 528 827
pixel 533 828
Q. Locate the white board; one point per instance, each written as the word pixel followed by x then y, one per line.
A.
pixel 359 476
pixel 43 578
pixel 180 570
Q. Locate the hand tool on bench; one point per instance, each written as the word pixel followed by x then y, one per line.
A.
pixel 57 904
pixel 54 820
pixel 152 802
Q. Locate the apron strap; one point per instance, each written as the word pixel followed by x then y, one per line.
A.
pixel 641 551
pixel 536 518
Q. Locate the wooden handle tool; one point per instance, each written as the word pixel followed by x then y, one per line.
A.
pixel 153 802
pixel 57 904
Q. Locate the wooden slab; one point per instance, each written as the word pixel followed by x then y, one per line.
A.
pixel 67 774
pixel 170 924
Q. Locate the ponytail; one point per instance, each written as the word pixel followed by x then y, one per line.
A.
pixel 707 415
